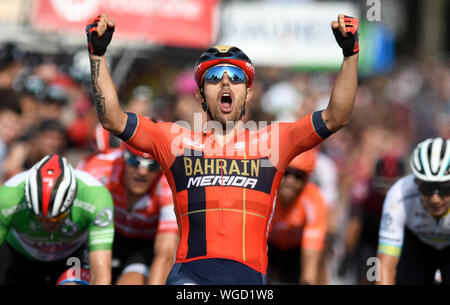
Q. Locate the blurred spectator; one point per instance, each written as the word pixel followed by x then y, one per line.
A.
pixel 282 100
pixel 186 104
pixel 141 101
pixel 51 106
pixel 48 137
pixel 9 124
pixel 299 226
pixel 361 234
pixel 31 89
pixel 10 63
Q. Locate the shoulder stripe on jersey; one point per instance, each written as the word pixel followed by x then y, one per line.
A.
pixel 130 127
pixel 17 179
pixel 389 249
pixel 87 178
pixel 319 125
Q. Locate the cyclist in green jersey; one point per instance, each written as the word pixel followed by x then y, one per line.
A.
pixel 55 222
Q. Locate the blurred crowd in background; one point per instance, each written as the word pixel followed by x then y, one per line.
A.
pixel 46 108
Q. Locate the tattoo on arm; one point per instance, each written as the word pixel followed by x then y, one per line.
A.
pixel 97 93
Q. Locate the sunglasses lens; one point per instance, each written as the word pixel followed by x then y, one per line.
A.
pixel 137 162
pixel 430 190
pixel 133 161
pixel 299 175
pixel 51 220
pixel 444 192
pixel 235 74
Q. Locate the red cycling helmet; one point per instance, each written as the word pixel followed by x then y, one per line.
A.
pixel 388 169
pixel 223 54
pixel 51 187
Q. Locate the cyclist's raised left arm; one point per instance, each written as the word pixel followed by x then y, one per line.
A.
pixel 339 109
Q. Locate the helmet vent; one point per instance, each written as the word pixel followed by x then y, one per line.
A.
pixel 203 58
pixel 244 57
pixel 226 54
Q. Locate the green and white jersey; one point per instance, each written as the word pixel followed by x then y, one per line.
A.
pixel 90 219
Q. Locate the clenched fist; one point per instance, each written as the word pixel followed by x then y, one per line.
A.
pixel 346 32
pixel 99 32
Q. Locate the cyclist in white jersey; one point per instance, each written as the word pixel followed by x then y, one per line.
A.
pixel 414 236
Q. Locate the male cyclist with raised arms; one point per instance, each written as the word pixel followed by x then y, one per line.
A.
pixel 56 226
pixel 414 237
pixel 224 177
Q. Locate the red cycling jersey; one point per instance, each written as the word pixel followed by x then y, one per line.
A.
pixel 151 214
pixel 225 195
pixel 303 223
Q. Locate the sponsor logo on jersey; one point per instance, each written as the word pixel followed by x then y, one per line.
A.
pixel 222 180
pixel 197 171
pixel 69 228
pixel 84 205
pixel 386 221
pixel 15 209
pixel 104 218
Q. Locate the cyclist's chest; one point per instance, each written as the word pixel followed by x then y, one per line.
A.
pixel 428 227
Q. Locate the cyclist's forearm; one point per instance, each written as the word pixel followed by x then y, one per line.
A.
pixel 104 94
pixel 310 266
pixel 343 95
pixel 165 247
pixel 159 270
pixel 388 269
pixel 100 267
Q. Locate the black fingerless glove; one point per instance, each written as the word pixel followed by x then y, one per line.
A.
pixel 349 44
pixel 97 45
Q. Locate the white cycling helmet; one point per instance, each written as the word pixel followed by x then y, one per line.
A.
pixel 51 187
pixel 430 161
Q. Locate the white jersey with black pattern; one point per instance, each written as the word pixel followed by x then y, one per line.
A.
pixel 403 208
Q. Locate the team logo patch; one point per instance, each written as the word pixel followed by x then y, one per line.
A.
pixel 386 221
pixel 104 218
pixel 69 228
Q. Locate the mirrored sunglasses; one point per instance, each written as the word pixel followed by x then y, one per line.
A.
pixel 215 74
pixel 136 162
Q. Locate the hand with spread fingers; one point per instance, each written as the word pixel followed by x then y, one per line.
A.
pixel 99 33
pixel 346 32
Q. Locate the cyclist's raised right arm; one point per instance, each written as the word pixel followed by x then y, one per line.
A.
pixel 110 114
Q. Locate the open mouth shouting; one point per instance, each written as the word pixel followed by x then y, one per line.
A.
pixel 226 102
